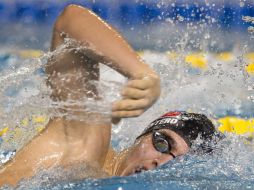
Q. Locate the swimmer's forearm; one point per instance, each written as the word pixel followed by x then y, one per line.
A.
pixel 84 26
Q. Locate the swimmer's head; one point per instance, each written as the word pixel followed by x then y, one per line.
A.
pixel 188 125
pixel 171 135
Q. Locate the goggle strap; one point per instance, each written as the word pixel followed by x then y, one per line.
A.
pixel 170 153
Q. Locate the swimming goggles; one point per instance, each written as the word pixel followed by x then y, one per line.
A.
pixel 161 143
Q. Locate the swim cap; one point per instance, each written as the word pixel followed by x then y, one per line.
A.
pixel 188 125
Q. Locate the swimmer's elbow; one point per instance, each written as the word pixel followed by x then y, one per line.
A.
pixel 70 13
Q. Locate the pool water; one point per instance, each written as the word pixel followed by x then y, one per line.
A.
pixel 207 83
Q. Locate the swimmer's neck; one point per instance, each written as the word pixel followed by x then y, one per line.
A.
pixel 110 162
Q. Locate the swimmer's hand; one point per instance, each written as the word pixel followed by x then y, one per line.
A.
pixel 138 95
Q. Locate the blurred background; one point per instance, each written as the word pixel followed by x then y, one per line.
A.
pixel 214 25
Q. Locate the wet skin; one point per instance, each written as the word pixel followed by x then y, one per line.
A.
pixel 143 156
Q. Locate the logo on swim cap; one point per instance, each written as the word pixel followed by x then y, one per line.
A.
pixel 162 120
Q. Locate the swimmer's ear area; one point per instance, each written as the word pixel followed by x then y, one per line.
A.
pixel 203 127
pixel 208 146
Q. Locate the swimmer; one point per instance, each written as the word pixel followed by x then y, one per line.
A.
pixel 73 143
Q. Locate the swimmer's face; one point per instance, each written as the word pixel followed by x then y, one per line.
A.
pixel 143 156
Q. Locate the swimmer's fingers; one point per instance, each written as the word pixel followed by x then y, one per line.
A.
pixel 130 105
pixel 150 87
pixel 139 95
pixel 125 114
pixel 133 93
pixel 141 84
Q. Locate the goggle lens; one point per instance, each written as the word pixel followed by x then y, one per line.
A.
pixel 160 142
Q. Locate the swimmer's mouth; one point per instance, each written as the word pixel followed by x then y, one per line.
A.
pixel 140 170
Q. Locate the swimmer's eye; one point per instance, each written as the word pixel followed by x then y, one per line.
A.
pixel 161 143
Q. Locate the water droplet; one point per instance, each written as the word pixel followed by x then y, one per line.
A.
pixel 241 4
pixel 180 18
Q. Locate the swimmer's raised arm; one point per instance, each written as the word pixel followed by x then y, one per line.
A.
pixel 70 142
pixel 110 48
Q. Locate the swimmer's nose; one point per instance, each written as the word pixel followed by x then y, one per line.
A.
pixel 159 162
pixel 154 163
pixel 151 164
